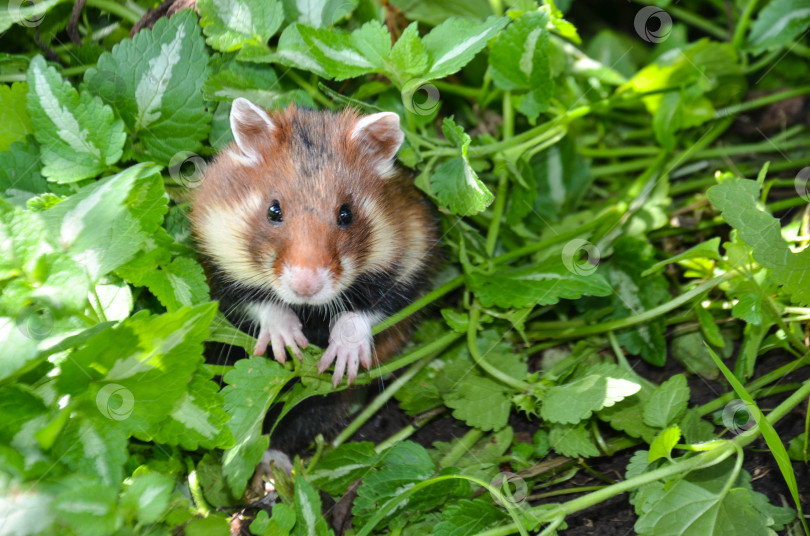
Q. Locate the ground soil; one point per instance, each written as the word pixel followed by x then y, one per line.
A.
pixel 616 517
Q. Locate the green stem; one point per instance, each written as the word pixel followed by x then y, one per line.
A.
pixel 196 489
pixel 524 251
pixel 415 355
pixel 461 447
pixel 640 318
pixel 754 385
pixel 567 491
pixel 115 8
pixel 615 152
pixel 472 343
pixel 311 90
pixel 497 213
pixel 742 25
pixel 425 300
pixel 734 109
pixel 455 89
pixel 403 434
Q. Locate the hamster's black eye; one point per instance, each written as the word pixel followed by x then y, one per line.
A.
pixel 344 215
pixel 274 212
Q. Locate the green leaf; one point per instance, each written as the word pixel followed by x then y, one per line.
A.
pixel 480 402
pixel 688 509
pixel 292 50
pixel 408 56
pixel 572 441
pixel 536 285
pixel 458 187
pixel 705 250
pixel 627 416
pixel 347 55
pixel 197 419
pixel 576 400
pixel 318 13
pixel 137 387
pixel 467 518
pixel 667 402
pixel 664 442
pixel 154 81
pixel 308 518
pixel 738 201
pixel 19 169
pixel 24 14
pixel 233 24
pixel 519 55
pixel 694 428
pixel 635 294
pixel 14 121
pixel 80 135
pixel 455 42
pixel 89 444
pixel 342 466
pixel 106 223
pixel 709 329
pixel 87 507
pixel 779 22
pixel 689 349
pixel 772 438
pixel 148 495
pixel 180 283
pixel 253 385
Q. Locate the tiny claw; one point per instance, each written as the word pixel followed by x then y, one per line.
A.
pixel 278 350
pixel 328 356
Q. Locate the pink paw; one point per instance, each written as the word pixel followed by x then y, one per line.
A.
pixel 279 327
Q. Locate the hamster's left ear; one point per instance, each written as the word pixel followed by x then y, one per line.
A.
pixel 380 137
pixel 250 126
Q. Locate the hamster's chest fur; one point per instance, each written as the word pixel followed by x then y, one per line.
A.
pixel 312 235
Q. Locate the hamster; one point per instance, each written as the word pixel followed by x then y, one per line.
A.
pixel 311 233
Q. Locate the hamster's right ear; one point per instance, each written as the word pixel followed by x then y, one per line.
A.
pixel 249 125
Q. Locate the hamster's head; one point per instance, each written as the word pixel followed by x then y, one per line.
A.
pixel 298 204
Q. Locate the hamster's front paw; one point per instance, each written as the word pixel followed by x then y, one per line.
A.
pixel 350 344
pixel 279 327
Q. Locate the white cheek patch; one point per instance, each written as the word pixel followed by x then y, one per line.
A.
pixel 223 238
pixel 383 240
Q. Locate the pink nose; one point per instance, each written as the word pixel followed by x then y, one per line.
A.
pixel 305 281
